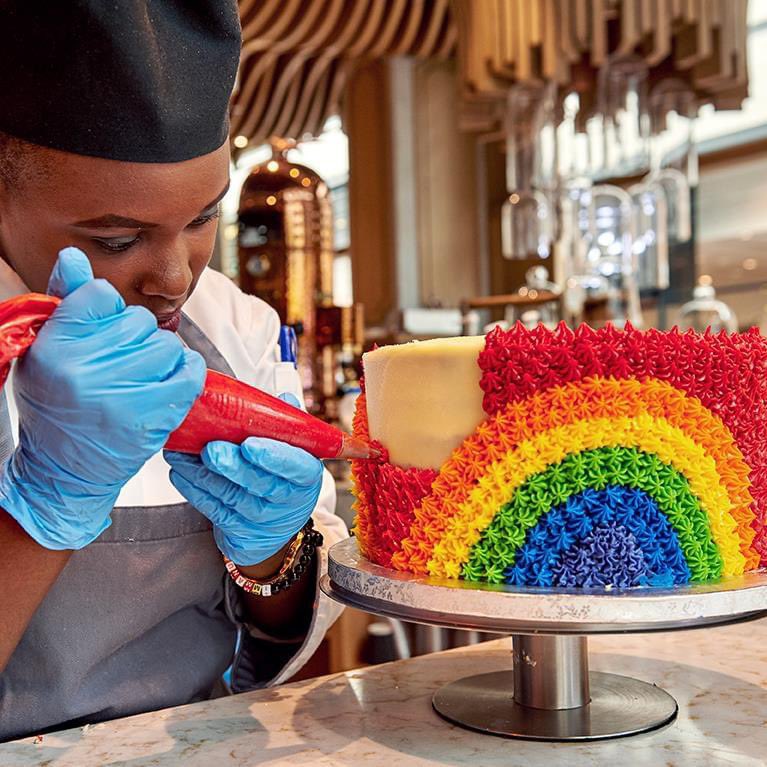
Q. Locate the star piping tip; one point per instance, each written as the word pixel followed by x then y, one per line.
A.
pixel 353 447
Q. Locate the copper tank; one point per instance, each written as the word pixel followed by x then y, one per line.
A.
pixel 285 255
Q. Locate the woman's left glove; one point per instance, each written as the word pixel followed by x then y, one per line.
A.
pixel 258 495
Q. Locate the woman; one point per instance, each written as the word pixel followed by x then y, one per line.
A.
pixel 113 590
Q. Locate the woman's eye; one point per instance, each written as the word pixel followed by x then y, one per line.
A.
pixel 206 217
pixel 116 244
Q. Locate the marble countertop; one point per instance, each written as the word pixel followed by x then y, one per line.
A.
pixel 381 716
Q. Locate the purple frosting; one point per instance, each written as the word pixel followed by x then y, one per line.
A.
pixel 607 556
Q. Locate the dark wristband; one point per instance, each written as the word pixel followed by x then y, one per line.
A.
pixel 297 561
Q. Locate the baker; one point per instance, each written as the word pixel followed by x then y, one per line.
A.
pixel 113 590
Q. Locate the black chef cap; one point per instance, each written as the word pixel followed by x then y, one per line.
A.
pixel 134 80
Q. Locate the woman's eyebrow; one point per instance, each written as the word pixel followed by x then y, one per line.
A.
pixel 114 221
pixel 220 196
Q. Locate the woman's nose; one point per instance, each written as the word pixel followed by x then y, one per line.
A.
pixel 170 277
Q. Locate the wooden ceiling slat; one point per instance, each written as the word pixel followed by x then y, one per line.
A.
pixel 254 96
pixel 284 115
pixel 391 23
pixel 322 37
pixel 246 98
pixel 434 24
pixel 291 67
pixel 297 54
pixel 567 36
pixel 261 13
pixel 354 14
pixel 410 31
pixel 376 13
pixel 317 84
pixel 340 77
pixel 259 36
pixel 305 30
pixel 449 40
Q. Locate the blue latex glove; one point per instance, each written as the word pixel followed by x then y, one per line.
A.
pixel 98 393
pixel 258 495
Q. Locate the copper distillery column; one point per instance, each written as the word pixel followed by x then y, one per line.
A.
pixel 551 672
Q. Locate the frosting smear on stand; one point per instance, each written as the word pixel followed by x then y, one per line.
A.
pixel 600 458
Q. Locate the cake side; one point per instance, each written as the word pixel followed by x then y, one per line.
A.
pixel 423 398
pixel 606 457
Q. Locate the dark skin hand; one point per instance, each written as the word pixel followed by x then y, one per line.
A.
pixel 150 230
pixel 20 595
pixel 285 614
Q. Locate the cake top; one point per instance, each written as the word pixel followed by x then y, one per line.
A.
pixel 417 350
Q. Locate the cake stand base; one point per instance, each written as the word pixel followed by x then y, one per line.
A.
pixel 550 695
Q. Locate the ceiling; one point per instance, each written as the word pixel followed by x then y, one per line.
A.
pixel 297 56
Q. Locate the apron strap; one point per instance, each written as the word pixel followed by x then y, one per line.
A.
pixel 195 339
pixel 6 434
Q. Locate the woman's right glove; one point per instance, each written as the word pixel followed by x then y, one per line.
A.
pixel 98 393
pixel 258 495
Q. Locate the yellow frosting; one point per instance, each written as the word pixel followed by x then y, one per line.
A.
pixel 423 398
pixel 651 435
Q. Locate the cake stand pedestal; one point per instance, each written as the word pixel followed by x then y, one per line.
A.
pixel 549 693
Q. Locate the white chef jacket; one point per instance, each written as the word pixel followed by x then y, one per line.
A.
pixel 245 331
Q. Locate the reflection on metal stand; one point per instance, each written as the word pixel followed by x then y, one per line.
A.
pixel 393 639
pixel 386 641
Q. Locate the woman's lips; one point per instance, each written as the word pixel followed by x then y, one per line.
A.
pixel 170 321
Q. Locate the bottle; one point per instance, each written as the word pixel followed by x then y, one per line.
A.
pixel 706 311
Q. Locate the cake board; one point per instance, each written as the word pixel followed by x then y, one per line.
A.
pixel 548 694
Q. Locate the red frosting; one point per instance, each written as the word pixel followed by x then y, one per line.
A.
pixel 389 495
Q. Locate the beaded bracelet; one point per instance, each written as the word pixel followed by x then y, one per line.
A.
pixel 297 560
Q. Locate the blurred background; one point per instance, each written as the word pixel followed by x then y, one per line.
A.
pixel 418 168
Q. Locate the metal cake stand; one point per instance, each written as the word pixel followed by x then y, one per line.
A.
pixel 549 693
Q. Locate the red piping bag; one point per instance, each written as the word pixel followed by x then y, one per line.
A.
pixel 227 409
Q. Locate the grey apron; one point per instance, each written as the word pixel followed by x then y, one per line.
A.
pixel 136 620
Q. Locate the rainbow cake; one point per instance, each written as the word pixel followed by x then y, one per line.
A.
pixel 596 458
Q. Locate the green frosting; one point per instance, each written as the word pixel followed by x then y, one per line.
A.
pixel 596 469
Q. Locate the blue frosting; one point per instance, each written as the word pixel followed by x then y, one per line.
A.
pixel 571 526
